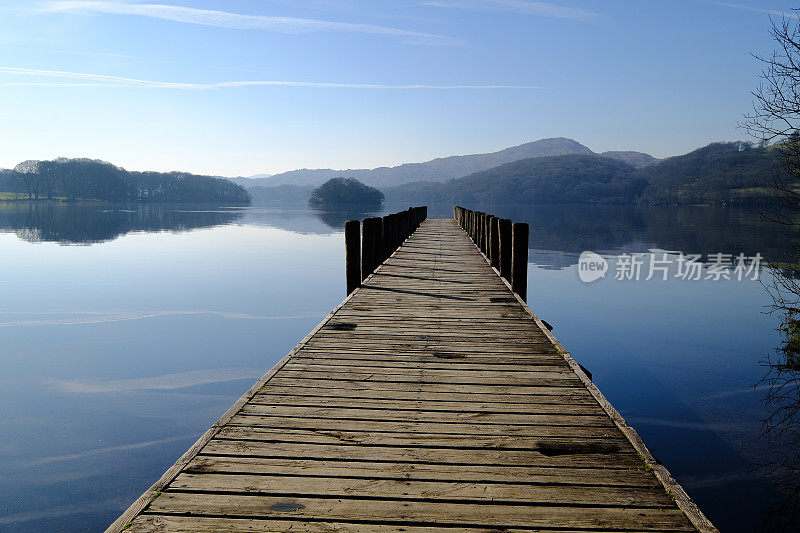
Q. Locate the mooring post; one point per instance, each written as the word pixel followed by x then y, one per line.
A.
pixel 505 249
pixel 484 234
pixel 487 236
pixel 519 260
pixel 494 242
pixel 368 259
pixel 479 242
pixel 387 237
pixel 393 233
pixel 379 258
pixel 352 246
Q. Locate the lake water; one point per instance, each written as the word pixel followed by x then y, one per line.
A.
pixel 125 332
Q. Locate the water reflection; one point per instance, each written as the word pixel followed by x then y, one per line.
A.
pixel 335 218
pixel 781 427
pixel 94 223
pixel 558 234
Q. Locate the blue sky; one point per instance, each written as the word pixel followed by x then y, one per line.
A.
pixel 240 87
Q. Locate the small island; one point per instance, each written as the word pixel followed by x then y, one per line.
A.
pixel 345 191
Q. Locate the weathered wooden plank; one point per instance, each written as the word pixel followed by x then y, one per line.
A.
pixel 419 513
pixel 402 415
pixel 422 362
pixel 196 524
pixel 511 381
pixel 498 493
pixel 529 387
pixel 535 395
pixel 520 474
pixel 584 455
pixel 445 428
pixel 562 407
pixel 552 445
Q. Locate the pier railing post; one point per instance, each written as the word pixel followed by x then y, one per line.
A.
pixel 505 249
pixel 519 260
pixel 494 242
pixel 368 251
pixel 481 225
pixel 486 234
pixel 352 246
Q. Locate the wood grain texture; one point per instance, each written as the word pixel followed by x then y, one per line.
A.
pixel 431 399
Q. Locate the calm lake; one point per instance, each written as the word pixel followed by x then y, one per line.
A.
pixel 126 331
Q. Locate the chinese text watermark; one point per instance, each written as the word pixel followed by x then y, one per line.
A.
pixel 664 265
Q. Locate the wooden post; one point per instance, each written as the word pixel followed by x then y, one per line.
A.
pixel 479 239
pixel 494 242
pixel 505 249
pixel 379 251
pixel 519 260
pixel 368 259
pixel 352 246
pixel 387 237
pixel 484 236
pixel 487 235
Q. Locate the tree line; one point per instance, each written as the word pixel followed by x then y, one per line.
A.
pixel 90 179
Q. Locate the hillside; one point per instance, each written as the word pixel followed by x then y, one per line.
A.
pixel 720 173
pixel 87 179
pixel 555 179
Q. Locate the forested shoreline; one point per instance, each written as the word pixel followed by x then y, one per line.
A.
pixel 89 179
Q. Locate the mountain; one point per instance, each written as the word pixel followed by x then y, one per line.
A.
pixel 562 179
pixel 437 170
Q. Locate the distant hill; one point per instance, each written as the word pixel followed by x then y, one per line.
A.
pixel 436 170
pixel 555 179
pixel 250 181
pixel 345 191
pixel 731 173
pixel 634 159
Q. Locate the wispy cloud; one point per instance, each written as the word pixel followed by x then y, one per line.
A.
pixel 102 80
pixel 110 449
pixel 99 317
pixel 542 9
pixel 224 19
pixel 776 12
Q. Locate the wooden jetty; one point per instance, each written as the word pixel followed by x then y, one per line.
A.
pixel 432 399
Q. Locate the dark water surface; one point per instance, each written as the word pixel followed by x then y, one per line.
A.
pixel 126 331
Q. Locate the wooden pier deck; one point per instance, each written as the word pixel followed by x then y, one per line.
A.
pixel 431 399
